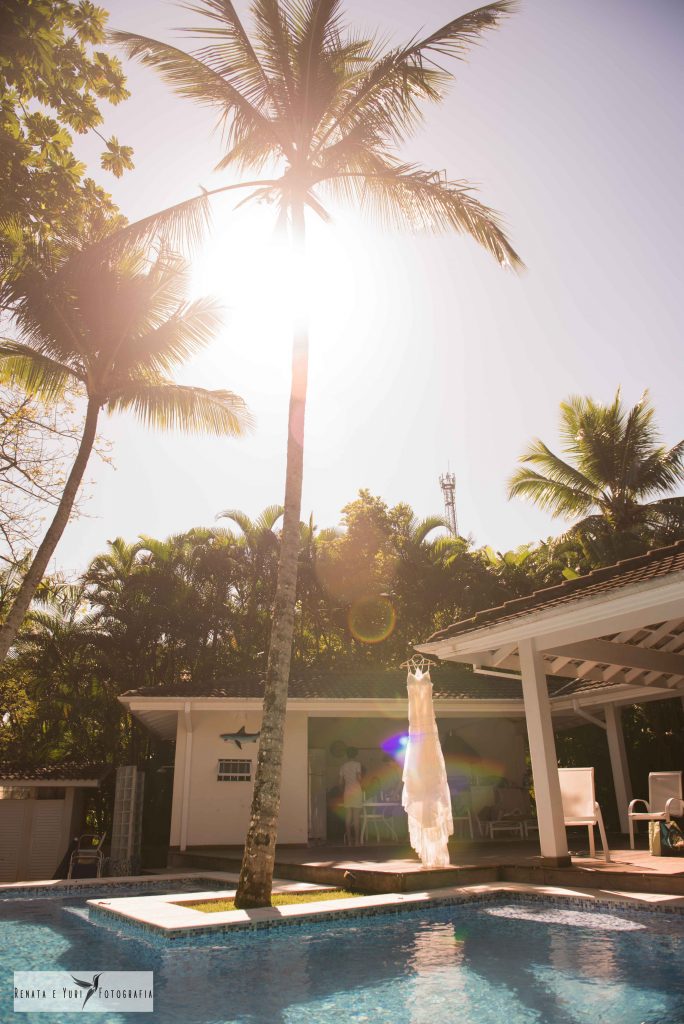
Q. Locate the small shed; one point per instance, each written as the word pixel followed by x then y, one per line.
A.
pixel 41 809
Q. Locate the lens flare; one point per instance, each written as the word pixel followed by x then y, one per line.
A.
pixel 395 746
pixel 372 619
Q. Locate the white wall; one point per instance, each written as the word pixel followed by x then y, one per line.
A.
pixel 218 812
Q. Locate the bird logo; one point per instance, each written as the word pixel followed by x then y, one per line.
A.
pixel 91 986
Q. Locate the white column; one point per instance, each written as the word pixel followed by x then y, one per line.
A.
pixel 618 763
pixel 552 838
pixel 187 773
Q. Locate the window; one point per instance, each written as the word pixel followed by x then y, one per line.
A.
pixel 234 770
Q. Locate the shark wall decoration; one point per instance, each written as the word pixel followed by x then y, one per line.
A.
pixel 240 737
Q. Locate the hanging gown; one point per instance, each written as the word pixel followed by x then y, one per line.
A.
pixel 426 797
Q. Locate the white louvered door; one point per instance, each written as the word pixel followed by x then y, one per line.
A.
pixel 13 828
pixel 44 853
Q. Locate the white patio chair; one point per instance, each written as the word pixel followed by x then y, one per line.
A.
pixel 461 816
pixel 374 816
pixel 580 806
pixel 664 801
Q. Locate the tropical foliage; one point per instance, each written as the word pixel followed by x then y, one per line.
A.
pixel 53 74
pixel 318 109
pixel 153 612
pixel 616 479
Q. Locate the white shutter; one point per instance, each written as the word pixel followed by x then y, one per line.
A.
pixel 12 825
pixel 45 852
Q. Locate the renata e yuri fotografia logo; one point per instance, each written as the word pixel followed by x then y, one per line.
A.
pixel 83 991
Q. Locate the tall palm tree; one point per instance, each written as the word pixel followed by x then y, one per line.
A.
pixel 614 478
pixel 113 320
pixel 325 110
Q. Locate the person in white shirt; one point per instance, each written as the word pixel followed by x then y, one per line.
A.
pixel 352 797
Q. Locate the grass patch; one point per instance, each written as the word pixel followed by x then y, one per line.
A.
pixel 278 899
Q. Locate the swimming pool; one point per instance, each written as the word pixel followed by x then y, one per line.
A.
pixel 500 961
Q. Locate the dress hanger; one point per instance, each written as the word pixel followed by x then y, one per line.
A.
pixel 418 664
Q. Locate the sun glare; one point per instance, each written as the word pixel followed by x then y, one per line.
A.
pixel 249 265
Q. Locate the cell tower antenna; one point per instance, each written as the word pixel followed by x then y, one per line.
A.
pixel 447 482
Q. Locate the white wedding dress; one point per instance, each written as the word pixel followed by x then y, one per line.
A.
pixel 426 797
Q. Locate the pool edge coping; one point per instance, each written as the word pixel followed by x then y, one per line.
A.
pixel 165 918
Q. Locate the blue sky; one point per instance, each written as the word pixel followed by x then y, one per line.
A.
pixel 424 353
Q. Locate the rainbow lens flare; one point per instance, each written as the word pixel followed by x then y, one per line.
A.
pixel 372 619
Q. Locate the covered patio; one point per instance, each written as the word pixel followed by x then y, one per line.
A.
pixel 582 650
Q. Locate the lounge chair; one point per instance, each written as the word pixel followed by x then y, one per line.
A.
pixel 580 806
pixel 511 815
pixel 664 801
pixel 87 860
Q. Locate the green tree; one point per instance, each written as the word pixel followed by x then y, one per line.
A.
pixel 327 109
pixel 114 321
pixel 53 73
pixel 257 548
pixel 616 478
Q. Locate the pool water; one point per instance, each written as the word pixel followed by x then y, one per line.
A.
pixel 482 963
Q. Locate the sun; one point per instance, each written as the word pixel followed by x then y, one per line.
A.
pixel 248 265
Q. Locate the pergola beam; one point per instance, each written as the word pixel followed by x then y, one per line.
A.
pixel 673 645
pixel 499 656
pixel 627 655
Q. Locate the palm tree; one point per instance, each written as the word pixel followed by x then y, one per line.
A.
pixel 113 320
pixel 326 110
pixel 257 547
pixel 613 479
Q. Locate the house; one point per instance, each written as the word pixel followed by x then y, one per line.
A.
pixel 555 659
pixel 482 729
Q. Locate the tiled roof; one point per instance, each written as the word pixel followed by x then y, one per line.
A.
pixel 449 682
pixel 52 772
pixel 654 564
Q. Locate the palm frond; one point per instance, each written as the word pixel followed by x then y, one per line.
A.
pixel 274 32
pixel 662 470
pixel 240 519
pixel 267 519
pixel 406 197
pixel 558 470
pixel 231 51
pixel 193 79
pixel 457 37
pixel 389 92
pixel 163 405
pixel 181 226
pixel 559 498
pixel 190 329
pixel 35 373
pixel 421 529
pixel 317 29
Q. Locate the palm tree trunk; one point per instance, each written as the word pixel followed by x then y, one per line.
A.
pixel 256 875
pixel 36 572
